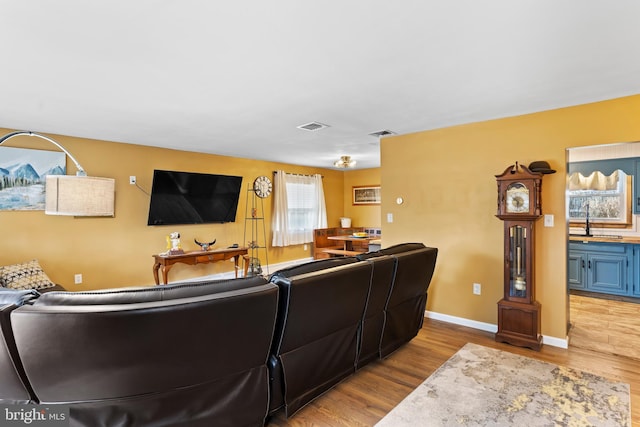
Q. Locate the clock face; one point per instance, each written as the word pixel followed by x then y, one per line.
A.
pixel 262 186
pixel 517 200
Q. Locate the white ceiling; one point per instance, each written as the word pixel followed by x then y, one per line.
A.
pixel 237 77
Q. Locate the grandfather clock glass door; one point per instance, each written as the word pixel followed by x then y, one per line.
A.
pixel 518 268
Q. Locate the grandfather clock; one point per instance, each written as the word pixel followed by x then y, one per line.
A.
pixel 519 206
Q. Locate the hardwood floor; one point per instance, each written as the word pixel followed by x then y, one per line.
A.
pixel 364 398
pixel 605 325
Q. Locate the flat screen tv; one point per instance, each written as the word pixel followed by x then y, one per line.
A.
pixel 193 198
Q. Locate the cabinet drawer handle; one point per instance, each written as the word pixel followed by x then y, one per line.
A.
pixel 589 264
pixel 582 263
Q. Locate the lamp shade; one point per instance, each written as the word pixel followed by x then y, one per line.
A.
pixel 79 195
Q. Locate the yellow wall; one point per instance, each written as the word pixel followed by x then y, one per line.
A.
pixel 361 215
pixel 447 179
pixel 116 252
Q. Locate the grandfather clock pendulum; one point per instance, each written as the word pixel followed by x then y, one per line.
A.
pixel 519 206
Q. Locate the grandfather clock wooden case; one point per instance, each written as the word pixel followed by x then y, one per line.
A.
pixel 519 206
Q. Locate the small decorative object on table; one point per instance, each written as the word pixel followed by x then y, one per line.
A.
pixel 205 246
pixel 173 243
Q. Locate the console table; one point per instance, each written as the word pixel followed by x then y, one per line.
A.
pixel 197 257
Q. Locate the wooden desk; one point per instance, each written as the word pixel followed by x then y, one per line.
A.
pixel 349 240
pixel 196 257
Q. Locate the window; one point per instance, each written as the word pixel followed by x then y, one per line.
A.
pixel 299 208
pixel 605 199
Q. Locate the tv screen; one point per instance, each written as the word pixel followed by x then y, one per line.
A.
pixel 193 198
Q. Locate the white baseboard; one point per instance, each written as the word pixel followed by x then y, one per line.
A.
pixel 487 327
pixel 490 327
pixel 556 342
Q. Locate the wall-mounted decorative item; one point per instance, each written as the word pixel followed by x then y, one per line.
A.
pixel 366 195
pixel 22 176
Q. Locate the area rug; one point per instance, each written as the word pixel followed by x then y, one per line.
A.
pixel 480 386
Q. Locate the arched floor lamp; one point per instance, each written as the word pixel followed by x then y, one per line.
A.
pixel 70 195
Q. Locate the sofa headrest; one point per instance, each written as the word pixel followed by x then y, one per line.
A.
pixel 148 352
pixel 307 298
pixel 416 264
pixel 312 266
pixel 392 250
pixel 402 247
pixel 149 294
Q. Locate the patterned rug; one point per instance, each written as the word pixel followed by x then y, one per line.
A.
pixel 480 386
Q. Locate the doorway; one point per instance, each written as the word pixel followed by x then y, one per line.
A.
pixel 603 259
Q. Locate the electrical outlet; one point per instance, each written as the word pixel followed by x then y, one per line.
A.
pixel 548 220
pixel 77 279
pixel 477 288
pixel 132 180
pixel 306 247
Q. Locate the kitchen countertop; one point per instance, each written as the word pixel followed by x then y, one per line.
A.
pixel 608 238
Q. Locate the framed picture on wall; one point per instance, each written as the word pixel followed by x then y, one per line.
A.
pixel 22 176
pixel 366 195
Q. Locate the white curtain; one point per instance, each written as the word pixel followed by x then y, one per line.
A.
pixel 596 181
pixel 298 208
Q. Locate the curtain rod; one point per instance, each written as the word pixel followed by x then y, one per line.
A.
pixel 299 174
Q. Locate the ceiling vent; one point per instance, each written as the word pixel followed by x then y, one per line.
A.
pixel 313 126
pixel 382 133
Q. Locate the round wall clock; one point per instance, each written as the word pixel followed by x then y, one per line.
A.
pixel 262 186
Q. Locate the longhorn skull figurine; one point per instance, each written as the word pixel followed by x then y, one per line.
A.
pixel 205 246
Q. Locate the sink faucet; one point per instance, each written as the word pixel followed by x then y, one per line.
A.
pixel 587 230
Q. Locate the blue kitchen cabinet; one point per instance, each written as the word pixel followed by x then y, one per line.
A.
pixel 576 263
pixel 636 271
pixel 636 188
pixel 602 267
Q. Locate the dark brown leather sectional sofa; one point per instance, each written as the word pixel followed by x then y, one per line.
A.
pixel 228 352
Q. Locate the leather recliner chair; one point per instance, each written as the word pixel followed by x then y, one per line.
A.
pixel 316 342
pixel 375 317
pixel 191 354
pixel 14 388
pixel 404 312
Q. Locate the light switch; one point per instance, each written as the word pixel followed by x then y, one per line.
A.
pixel 548 220
pixel 389 217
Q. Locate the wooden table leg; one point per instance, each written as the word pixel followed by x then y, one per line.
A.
pixel 165 273
pixel 235 260
pixel 156 267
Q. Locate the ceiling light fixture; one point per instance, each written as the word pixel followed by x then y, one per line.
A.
pixel 78 195
pixel 344 162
